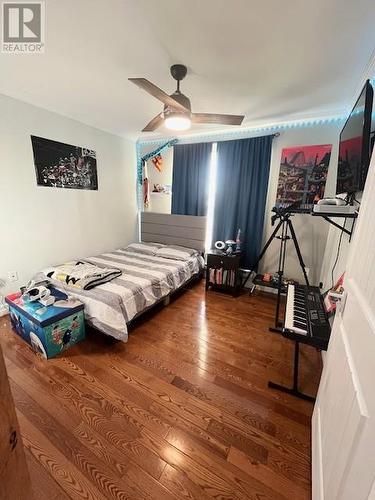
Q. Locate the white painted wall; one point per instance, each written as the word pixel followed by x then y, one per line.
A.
pixel 40 226
pixel 311 232
pixel 160 202
pixel 334 249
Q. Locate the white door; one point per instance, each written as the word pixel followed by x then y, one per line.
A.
pixel 343 423
pixel 14 476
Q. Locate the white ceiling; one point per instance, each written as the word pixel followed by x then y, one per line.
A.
pixel 270 60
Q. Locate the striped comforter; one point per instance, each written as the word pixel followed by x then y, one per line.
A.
pixel 145 279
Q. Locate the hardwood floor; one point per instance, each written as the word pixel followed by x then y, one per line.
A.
pixel 182 411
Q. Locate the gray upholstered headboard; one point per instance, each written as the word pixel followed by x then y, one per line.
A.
pixel 185 230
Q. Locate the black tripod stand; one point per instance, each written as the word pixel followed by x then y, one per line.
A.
pixel 286 226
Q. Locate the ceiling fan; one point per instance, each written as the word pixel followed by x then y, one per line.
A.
pixel 177 113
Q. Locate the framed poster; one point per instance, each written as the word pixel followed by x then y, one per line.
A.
pixel 63 165
pixel 303 176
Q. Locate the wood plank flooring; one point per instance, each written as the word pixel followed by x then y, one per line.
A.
pixel 182 411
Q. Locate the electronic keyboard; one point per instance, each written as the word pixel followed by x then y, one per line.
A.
pixel 305 317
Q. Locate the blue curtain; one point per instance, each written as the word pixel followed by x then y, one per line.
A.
pixel 242 180
pixel 191 167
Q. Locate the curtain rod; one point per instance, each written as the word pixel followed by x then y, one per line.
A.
pixel 193 139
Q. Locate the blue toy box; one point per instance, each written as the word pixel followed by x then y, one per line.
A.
pixel 48 329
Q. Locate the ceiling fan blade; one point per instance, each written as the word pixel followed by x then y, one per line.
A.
pixel 154 123
pixel 215 118
pixel 158 93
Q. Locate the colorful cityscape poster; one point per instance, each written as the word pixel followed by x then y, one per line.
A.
pixel 303 176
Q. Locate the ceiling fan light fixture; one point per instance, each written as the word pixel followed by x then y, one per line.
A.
pixel 177 121
pixel 177 113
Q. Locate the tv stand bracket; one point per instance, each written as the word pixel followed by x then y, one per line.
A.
pixel 327 217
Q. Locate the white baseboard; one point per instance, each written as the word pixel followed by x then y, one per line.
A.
pixel 3 311
pixel 324 354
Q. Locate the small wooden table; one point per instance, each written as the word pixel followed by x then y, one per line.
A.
pixel 222 271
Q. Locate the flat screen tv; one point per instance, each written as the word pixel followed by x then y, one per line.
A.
pixel 355 145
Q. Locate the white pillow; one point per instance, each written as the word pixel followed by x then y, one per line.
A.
pixel 176 252
pixel 145 248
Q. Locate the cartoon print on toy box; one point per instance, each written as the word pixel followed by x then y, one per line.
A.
pixel 66 332
pixel 37 345
pixel 18 323
pixel 52 339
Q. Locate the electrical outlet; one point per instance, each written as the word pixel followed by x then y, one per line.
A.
pixel 12 276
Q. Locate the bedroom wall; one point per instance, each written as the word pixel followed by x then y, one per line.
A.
pixel 332 269
pixel 312 233
pixel 40 226
pixel 331 253
pixel 160 202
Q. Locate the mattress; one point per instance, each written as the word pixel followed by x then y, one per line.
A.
pixel 145 280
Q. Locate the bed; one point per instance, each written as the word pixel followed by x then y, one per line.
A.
pixel 167 258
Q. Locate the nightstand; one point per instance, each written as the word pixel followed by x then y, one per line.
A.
pixel 222 271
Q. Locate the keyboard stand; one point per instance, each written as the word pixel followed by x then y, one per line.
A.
pixel 293 390
pixel 276 329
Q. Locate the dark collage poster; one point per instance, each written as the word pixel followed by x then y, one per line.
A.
pixel 62 165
